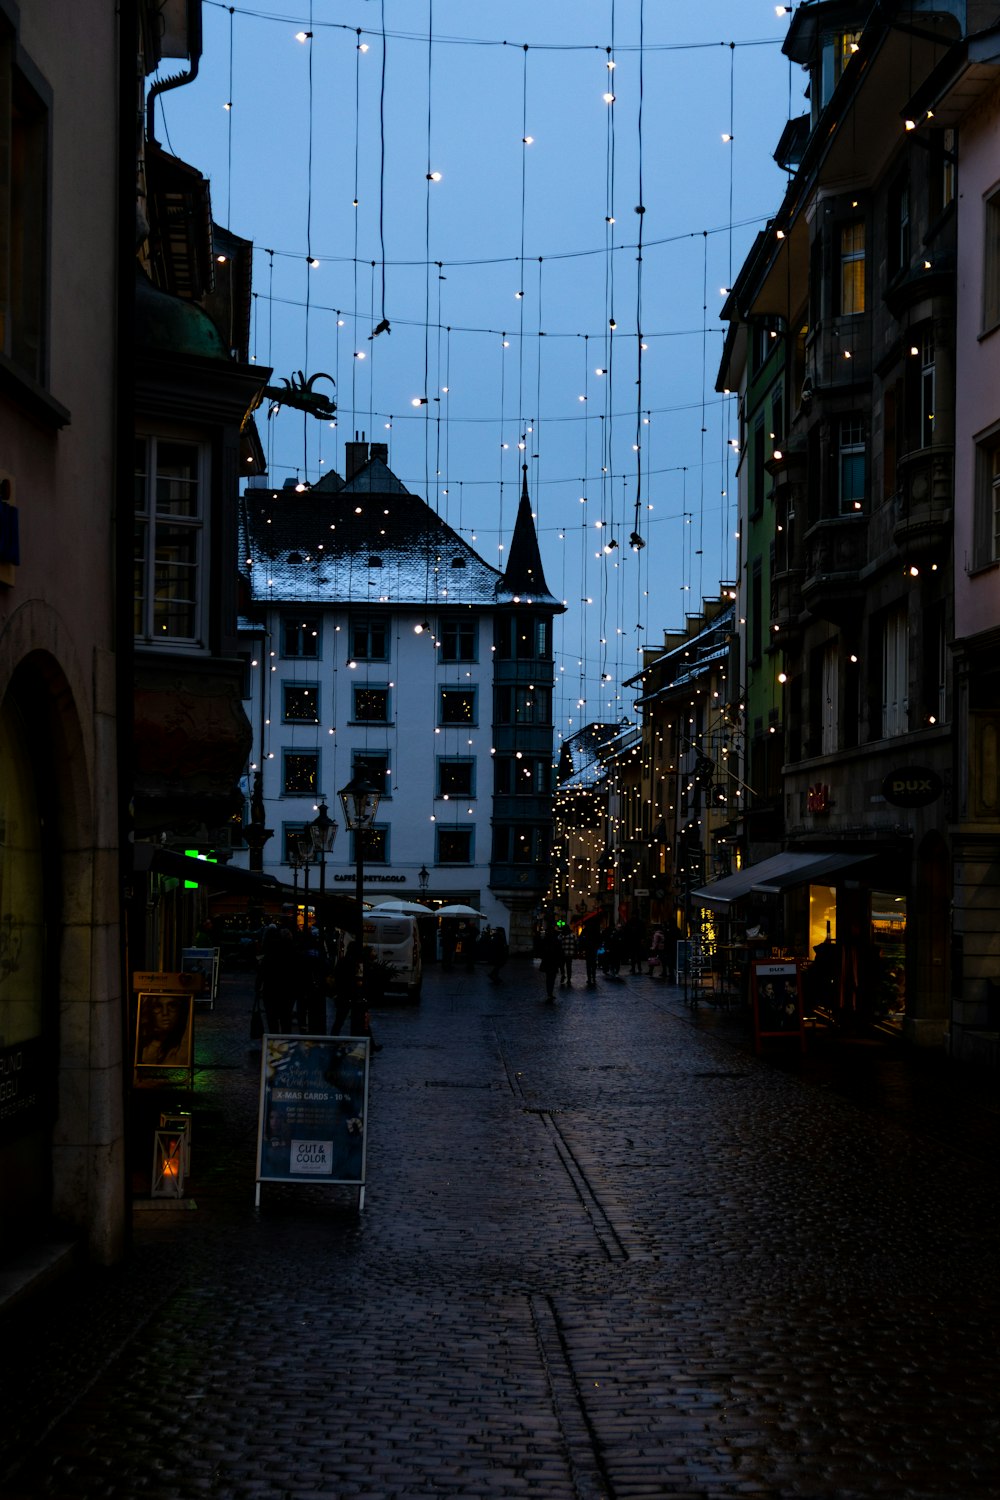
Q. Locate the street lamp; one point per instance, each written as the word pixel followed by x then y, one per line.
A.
pixel 306 854
pixel 322 831
pixel 359 799
pixel 295 860
pixel 423 879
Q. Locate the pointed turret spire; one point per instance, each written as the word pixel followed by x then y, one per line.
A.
pixel 523 574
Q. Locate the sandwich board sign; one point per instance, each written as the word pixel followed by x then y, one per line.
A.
pixel 777 1001
pixel 313 1118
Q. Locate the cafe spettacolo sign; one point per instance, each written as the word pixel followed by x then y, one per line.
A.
pixel 912 786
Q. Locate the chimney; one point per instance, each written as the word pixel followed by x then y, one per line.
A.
pixel 355 456
pixel 381 450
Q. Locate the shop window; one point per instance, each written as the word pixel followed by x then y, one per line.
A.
pixel 456 778
pixel 457 706
pixel 170 489
pixel 299 703
pixel 370 705
pixel 300 773
pixel 300 636
pixel 458 640
pixel 24 193
pixel 454 846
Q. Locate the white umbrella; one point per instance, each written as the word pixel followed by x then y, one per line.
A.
pixel 413 907
pixel 458 911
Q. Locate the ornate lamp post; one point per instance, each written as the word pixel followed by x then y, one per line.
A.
pixel 322 831
pixel 359 799
pixel 423 879
pixel 306 854
pixel 295 860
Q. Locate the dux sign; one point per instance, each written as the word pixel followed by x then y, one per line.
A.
pixel 912 786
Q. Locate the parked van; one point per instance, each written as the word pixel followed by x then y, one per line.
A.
pixel 395 940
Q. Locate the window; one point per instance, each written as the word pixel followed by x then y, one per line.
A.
pixel 454 846
pixel 457 706
pixel 895 672
pixel 300 776
pixel 24 188
pixel 828 699
pixel 991 262
pixel 373 765
pixel 371 705
pixel 778 417
pixel 935 661
pixel 456 778
pixel 851 465
pixel 300 703
pixel 852 269
pixel 838 48
pixel 756 610
pixel 520 844
pixel 927 389
pixel 522 776
pixel 376 844
pixel 292 835
pixel 899 228
pixel 986 521
pixel 759 453
pixel 370 639
pixel 169 523
pixel 524 638
pixel 524 705
pixel 300 636
pixel 458 640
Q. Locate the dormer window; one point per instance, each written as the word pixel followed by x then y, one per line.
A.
pixel 838 49
pixel 294 557
pixel 374 562
pixel 458 562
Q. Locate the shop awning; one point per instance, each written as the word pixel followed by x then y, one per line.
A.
pixel 773 876
pixel 217 877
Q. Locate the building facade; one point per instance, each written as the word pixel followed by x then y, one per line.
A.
pixel 385 645
pixel 62 1169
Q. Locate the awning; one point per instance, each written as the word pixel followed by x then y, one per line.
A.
pixel 773 876
pixel 148 857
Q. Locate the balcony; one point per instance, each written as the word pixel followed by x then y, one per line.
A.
pixel 836 551
pixel 924 519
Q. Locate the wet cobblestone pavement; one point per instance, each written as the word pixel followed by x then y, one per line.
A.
pixel 605 1252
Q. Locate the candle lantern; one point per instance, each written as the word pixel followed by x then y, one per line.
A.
pixel 168 1163
pixel 181 1121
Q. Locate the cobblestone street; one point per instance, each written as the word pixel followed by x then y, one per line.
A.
pixel 605 1252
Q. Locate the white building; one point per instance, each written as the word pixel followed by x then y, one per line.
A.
pixel 384 643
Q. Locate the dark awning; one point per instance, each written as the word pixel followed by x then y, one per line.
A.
pixel 217 877
pixel 772 876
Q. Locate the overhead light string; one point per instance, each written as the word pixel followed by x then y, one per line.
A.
pixel 310 262
pixel 229 128
pixel 422 399
pixel 640 208
pixel 700 551
pixel 357 354
pixel 519 294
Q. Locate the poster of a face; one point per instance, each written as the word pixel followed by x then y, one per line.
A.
pixel 312 1110
pixel 164 1033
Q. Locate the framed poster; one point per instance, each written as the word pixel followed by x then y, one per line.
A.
pixel 777 1000
pixel 164 1031
pixel 203 961
pixel 312 1121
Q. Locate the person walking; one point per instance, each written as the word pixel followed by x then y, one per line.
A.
pixel 275 977
pixel 591 942
pixel 498 953
pixel 656 951
pixel 567 943
pixel 550 954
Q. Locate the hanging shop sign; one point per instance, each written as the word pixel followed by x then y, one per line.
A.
pixel 777 1001
pixel 912 786
pixel 312 1121
pixel 818 798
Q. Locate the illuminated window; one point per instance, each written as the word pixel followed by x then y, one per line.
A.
pixel 852 269
pixel 170 485
pixel 456 778
pixel 851 465
pixel 371 705
pixel 300 703
pixel 457 706
pixel 300 773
